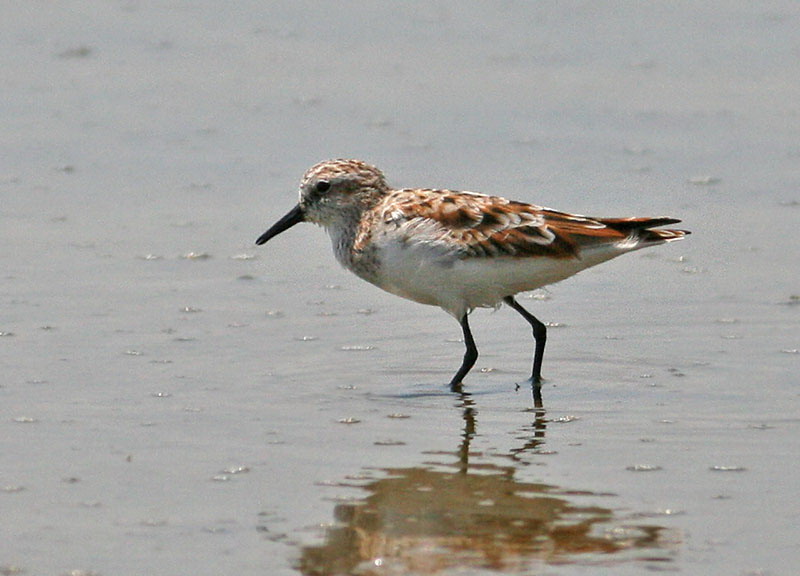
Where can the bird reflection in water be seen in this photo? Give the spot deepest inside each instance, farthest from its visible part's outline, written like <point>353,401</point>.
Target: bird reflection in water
<point>437,517</point>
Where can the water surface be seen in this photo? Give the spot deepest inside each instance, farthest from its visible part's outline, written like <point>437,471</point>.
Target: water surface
<point>175,400</point>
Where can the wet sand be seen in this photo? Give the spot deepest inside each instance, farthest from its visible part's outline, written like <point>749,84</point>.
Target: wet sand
<point>176,400</point>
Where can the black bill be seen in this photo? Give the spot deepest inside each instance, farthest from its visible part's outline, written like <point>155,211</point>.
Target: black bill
<point>295,216</point>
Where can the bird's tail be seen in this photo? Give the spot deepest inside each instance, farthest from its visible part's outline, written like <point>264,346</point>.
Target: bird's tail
<point>643,229</point>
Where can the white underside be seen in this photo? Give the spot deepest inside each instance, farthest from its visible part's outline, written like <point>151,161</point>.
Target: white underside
<point>429,275</point>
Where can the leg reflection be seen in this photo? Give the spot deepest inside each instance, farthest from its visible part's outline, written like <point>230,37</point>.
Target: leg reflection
<point>534,434</point>
<point>467,405</point>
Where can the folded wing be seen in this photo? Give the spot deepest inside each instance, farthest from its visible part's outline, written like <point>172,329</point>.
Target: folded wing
<point>476,226</point>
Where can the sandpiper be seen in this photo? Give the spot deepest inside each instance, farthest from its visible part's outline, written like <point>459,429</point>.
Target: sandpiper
<point>458,250</point>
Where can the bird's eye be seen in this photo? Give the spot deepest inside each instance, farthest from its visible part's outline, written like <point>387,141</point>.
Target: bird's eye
<point>322,186</point>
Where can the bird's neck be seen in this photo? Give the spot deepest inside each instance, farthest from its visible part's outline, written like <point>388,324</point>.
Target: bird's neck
<point>353,250</point>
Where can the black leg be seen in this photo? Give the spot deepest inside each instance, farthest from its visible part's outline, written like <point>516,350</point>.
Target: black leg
<point>540,336</point>
<point>470,356</point>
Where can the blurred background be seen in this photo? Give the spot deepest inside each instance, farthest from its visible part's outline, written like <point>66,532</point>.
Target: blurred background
<point>175,400</point>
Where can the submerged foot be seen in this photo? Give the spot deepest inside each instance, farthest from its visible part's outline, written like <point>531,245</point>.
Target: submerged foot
<point>456,386</point>
<point>536,388</point>
<point>532,382</point>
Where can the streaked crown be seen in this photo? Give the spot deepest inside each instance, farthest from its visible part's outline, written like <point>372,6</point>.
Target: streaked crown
<point>339,189</point>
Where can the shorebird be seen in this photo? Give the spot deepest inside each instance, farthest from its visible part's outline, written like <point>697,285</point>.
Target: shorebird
<point>458,250</point>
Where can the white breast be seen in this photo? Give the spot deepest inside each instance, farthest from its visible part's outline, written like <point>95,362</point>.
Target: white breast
<point>430,274</point>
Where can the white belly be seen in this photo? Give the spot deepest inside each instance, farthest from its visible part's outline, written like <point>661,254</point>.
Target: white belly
<point>428,275</point>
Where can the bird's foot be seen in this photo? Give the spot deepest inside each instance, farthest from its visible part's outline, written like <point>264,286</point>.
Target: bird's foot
<point>536,388</point>
<point>532,382</point>
<point>456,386</point>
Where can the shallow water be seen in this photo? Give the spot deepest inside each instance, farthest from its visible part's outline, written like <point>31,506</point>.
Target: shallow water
<point>178,401</point>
